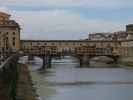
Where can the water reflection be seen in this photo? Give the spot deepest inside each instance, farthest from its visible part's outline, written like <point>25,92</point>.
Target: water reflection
<point>64,81</point>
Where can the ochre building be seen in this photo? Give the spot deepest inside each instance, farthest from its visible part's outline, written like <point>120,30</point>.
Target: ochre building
<point>9,33</point>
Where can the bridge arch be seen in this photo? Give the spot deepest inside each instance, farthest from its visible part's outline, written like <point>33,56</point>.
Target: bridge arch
<point>106,58</point>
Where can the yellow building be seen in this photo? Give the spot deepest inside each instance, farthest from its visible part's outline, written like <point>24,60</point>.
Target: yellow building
<point>9,33</point>
<point>116,51</point>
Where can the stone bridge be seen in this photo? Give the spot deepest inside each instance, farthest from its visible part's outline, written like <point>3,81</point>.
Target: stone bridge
<point>82,49</point>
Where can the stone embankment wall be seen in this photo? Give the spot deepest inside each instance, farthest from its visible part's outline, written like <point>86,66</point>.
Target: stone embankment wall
<point>15,82</point>
<point>25,90</point>
<point>8,78</point>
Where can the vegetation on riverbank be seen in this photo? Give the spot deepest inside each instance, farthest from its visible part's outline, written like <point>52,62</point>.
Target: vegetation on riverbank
<point>123,64</point>
<point>126,64</point>
<point>94,64</point>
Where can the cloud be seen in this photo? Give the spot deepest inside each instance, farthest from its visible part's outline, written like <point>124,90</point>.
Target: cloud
<point>73,3</point>
<point>4,9</point>
<point>60,24</point>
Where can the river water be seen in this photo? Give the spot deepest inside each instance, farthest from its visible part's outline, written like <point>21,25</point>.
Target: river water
<point>67,81</point>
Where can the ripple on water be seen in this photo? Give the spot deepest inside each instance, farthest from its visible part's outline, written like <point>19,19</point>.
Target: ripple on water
<point>66,82</point>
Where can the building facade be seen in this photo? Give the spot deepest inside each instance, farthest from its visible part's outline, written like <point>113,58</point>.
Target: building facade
<point>9,33</point>
<point>127,48</point>
<point>127,45</point>
<point>71,46</point>
<point>120,35</point>
<point>129,30</point>
<point>100,36</point>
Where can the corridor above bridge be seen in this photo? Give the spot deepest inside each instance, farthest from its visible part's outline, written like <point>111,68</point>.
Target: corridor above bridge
<point>74,47</point>
<point>68,44</point>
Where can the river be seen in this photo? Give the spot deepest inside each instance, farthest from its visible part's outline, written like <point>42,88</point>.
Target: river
<point>67,81</point>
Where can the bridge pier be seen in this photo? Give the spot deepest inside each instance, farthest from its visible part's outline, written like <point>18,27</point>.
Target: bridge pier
<point>84,60</point>
<point>46,62</point>
<point>59,55</point>
<point>49,61</point>
<point>30,57</point>
<point>116,59</point>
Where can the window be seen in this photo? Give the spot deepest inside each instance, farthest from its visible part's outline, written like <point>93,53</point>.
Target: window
<point>45,43</point>
<point>53,43</point>
<point>13,38</point>
<point>13,43</point>
<point>13,33</point>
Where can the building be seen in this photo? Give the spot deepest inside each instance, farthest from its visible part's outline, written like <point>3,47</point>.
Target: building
<point>129,30</point>
<point>127,45</point>
<point>120,35</point>
<point>100,36</point>
<point>9,33</point>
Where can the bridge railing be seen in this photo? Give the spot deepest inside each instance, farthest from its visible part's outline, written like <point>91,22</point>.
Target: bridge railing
<point>8,75</point>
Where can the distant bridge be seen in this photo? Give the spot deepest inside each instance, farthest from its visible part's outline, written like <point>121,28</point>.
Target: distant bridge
<point>84,50</point>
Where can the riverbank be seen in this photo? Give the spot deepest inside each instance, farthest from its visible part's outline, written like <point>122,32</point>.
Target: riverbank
<point>126,61</point>
<point>3,90</point>
<point>94,64</point>
<point>123,62</point>
<point>25,90</point>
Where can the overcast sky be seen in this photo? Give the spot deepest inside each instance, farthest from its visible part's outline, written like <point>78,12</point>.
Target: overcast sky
<point>68,19</point>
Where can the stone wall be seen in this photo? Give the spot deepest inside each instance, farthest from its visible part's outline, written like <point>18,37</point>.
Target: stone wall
<point>15,83</point>
<point>8,78</point>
